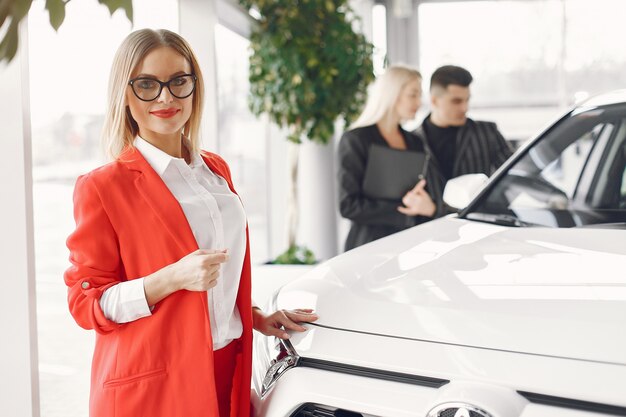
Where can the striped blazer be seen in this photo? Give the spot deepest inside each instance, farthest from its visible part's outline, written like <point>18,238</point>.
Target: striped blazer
<point>480,148</point>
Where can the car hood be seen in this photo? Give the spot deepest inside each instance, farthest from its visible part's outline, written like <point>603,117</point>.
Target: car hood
<point>542,291</point>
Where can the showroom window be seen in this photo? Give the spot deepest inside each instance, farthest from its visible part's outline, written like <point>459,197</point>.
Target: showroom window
<point>242,137</point>
<point>69,72</point>
<point>530,59</point>
<point>379,37</point>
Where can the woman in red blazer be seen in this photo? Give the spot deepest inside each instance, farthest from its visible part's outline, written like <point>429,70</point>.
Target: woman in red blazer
<point>165,344</point>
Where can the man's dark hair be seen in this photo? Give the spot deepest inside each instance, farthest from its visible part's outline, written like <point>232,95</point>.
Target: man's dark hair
<point>450,74</point>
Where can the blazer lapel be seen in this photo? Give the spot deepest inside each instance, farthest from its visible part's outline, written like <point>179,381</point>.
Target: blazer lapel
<point>219,169</point>
<point>463,139</point>
<point>152,188</point>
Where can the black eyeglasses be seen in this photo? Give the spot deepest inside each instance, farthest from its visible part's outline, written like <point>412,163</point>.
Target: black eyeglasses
<point>148,89</point>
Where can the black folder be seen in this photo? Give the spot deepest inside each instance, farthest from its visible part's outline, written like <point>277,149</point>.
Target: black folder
<point>390,173</point>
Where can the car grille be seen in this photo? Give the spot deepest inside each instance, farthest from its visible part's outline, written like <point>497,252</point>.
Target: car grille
<point>451,412</point>
<point>316,410</point>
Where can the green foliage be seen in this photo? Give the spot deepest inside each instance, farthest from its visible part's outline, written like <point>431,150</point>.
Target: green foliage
<point>296,255</point>
<point>308,67</point>
<point>56,10</point>
<point>113,5</point>
<point>13,11</point>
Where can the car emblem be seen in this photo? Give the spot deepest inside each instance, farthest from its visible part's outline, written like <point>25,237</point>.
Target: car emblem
<point>457,410</point>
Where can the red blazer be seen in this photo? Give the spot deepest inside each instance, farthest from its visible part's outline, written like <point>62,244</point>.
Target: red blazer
<point>129,225</point>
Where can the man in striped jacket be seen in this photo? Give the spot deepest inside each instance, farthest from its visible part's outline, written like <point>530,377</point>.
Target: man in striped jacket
<point>459,145</point>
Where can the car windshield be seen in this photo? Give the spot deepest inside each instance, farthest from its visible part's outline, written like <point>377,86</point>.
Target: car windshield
<point>573,176</point>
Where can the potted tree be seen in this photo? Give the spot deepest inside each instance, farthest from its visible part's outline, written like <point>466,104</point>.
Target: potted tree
<point>308,68</point>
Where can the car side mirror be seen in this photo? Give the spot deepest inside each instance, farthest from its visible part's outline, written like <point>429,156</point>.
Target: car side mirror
<point>460,191</point>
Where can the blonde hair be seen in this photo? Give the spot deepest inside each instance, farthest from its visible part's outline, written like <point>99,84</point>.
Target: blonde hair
<point>120,129</point>
<point>384,94</point>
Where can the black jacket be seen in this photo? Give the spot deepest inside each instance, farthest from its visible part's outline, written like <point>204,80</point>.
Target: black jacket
<point>374,218</point>
<point>480,148</point>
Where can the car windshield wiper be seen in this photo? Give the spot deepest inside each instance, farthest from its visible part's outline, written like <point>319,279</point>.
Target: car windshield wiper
<point>500,219</point>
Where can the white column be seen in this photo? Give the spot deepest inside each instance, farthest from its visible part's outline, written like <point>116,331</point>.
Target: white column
<point>197,20</point>
<point>19,378</point>
<point>317,201</point>
<point>403,38</point>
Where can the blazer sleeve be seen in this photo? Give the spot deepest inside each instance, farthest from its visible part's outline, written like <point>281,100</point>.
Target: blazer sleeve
<point>500,148</point>
<point>353,204</point>
<point>95,258</point>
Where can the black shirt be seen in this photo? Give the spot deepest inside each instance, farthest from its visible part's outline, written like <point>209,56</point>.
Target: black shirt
<point>442,141</point>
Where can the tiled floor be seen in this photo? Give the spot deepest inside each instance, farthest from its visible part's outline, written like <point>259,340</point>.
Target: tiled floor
<point>64,348</point>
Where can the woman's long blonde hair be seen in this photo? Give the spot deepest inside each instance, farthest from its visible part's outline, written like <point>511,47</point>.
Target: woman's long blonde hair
<point>120,129</point>
<point>384,94</point>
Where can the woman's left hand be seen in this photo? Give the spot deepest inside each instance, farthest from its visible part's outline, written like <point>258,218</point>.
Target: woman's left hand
<point>418,202</point>
<point>278,322</point>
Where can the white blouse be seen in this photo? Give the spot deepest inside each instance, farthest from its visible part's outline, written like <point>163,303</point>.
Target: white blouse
<point>217,220</point>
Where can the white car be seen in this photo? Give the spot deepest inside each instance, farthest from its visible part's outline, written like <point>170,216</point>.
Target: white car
<point>515,307</point>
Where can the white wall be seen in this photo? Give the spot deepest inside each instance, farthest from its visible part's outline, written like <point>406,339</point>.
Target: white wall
<point>19,380</point>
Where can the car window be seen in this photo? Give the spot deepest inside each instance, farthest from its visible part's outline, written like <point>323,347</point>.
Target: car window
<point>605,184</point>
<point>564,171</point>
<point>574,175</point>
<point>622,197</point>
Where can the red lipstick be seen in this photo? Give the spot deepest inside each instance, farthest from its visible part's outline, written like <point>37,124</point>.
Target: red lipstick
<point>164,113</point>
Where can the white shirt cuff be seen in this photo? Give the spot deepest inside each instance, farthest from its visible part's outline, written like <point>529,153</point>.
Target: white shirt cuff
<point>125,302</point>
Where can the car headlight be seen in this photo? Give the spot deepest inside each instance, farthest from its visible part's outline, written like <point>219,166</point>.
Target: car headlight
<point>273,357</point>
<point>285,359</point>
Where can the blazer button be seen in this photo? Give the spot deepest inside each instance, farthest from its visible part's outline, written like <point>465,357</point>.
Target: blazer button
<point>84,285</point>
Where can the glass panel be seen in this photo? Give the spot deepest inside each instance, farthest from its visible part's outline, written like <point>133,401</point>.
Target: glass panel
<point>570,177</point>
<point>518,66</point>
<point>565,170</point>
<point>623,190</point>
<point>241,136</point>
<point>69,72</point>
<point>594,56</point>
<point>530,59</point>
<point>551,182</point>
<point>379,37</point>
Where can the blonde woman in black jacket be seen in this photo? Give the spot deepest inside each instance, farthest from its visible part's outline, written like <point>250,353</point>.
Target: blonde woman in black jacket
<point>395,97</point>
